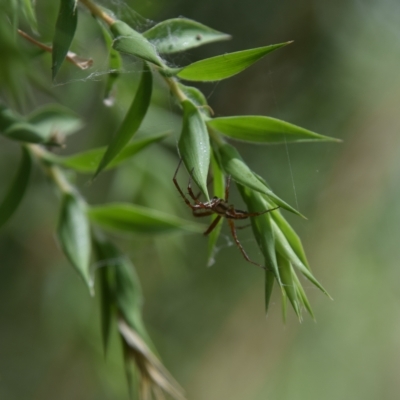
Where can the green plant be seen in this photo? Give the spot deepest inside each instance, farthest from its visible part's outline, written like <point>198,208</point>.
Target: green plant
<point>202,147</point>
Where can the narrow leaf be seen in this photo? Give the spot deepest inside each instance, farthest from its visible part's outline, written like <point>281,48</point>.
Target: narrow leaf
<point>128,295</point>
<point>262,228</point>
<point>127,40</point>
<point>194,145</point>
<point>114,66</point>
<point>291,236</point>
<point>219,191</point>
<point>88,161</point>
<point>106,261</point>
<point>288,284</point>
<point>65,31</point>
<point>129,218</point>
<point>301,294</point>
<point>29,12</point>
<point>269,285</point>
<point>133,119</point>
<point>226,65</point>
<point>8,118</point>
<point>25,132</point>
<point>234,165</point>
<point>74,236</point>
<point>17,189</point>
<point>55,119</point>
<point>260,129</point>
<point>180,34</point>
<point>285,250</point>
<point>197,98</point>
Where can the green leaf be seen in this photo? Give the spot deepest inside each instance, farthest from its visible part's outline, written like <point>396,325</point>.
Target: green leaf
<point>260,129</point>
<point>219,191</point>
<point>234,165</point>
<point>88,161</point>
<point>226,65</point>
<point>65,30</point>
<point>53,119</point>
<point>17,189</point>
<point>132,121</point>
<point>194,145</point>
<point>129,218</point>
<point>285,250</point>
<point>196,97</point>
<point>106,262</point>
<point>180,34</point>
<point>262,228</point>
<point>114,66</point>
<point>24,132</point>
<point>289,286</point>
<point>290,235</point>
<point>127,40</point>
<point>269,285</point>
<point>8,118</point>
<point>301,294</point>
<point>128,295</point>
<point>74,236</point>
<point>29,12</point>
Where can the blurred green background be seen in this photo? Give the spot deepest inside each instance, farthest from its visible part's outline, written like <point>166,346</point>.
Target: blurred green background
<point>339,78</point>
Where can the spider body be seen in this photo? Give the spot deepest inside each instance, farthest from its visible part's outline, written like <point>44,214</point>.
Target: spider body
<point>219,207</point>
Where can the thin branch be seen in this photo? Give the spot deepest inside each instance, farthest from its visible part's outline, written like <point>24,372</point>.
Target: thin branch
<point>82,63</point>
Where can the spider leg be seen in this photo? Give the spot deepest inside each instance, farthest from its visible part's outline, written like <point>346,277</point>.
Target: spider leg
<point>202,212</point>
<point>191,194</point>
<point>255,214</point>
<point>213,225</point>
<point>243,227</point>
<point>179,189</point>
<point>228,183</point>
<point>233,230</point>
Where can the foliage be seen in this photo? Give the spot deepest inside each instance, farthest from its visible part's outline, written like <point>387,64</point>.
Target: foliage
<point>202,147</point>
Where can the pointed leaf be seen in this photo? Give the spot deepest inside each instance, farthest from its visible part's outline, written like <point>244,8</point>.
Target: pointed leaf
<point>262,229</point>
<point>269,285</point>
<point>194,145</point>
<point>226,65</point>
<point>301,294</point>
<point>65,31</point>
<point>24,132</point>
<point>127,40</point>
<point>17,189</point>
<point>260,129</point>
<point>288,284</point>
<point>8,118</point>
<point>114,66</point>
<point>128,295</point>
<point>29,12</point>
<point>106,261</point>
<point>88,161</point>
<point>219,191</point>
<point>285,250</point>
<point>53,119</point>
<point>291,236</point>
<point>196,97</point>
<point>131,218</point>
<point>180,34</point>
<point>132,121</point>
<point>74,236</point>
<point>234,165</point>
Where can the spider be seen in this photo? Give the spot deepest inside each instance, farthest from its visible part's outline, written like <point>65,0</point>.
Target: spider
<point>218,206</point>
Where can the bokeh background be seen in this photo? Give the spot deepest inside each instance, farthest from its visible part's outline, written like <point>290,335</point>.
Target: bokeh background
<point>340,78</point>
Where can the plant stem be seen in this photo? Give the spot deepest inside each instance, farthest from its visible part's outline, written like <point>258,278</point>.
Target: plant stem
<point>54,172</point>
<point>98,12</point>
<point>73,58</point>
